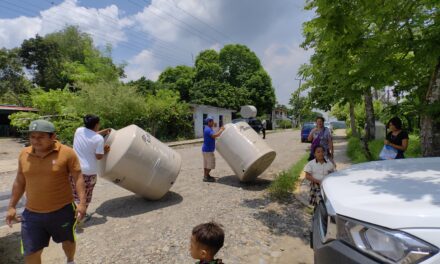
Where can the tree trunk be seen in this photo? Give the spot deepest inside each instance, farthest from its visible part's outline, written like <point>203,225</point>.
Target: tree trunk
<point>369,114</point>
<point>430,124</point>
<point>354,131</point>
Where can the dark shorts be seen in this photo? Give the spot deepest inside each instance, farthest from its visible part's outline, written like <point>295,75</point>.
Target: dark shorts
<point>38,228</point>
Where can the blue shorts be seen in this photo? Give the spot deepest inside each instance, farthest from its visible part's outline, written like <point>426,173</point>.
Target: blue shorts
<point>38,228</point>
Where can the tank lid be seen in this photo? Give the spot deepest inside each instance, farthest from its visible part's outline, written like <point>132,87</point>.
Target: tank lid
<point>248,111</point>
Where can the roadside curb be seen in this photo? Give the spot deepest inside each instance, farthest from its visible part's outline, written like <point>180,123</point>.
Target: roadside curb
<point>200,140</point>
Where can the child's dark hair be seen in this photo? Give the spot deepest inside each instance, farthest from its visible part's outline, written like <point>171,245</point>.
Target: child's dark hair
<point>90,121</point>
<point>210,235</point>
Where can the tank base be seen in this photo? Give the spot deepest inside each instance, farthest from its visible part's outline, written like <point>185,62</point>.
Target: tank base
<point>258,167</point>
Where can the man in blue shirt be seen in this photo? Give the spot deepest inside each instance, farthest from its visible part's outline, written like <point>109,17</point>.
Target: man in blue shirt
<point>208,148</point>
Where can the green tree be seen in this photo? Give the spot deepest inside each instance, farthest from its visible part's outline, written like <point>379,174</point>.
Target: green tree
<point>13,82</point>
<point>44,59</point>
<point>167,117</point>
<point>144,86</point>
<point>67,57</point>
<point>179,78</point>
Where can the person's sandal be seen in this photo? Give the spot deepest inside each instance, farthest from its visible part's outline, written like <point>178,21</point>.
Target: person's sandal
<point>208,179</point>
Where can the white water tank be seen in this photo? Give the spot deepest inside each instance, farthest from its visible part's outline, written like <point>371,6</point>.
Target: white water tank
<point>139,162</point>
<point>244,150</point>
<point>248,111</point>
<point>380,130</point>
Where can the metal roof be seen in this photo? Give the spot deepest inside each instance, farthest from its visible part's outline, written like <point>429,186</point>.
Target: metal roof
<point>17,108</point>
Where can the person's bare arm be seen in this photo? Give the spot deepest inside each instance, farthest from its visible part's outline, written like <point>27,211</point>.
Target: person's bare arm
<point>17,192</point>
<point>104,131</point>
<point>402,148</point>
<point>311,178</point>
<point>332,149</point>
<point>81,191</point>
<point>310,137</point>
<point>219,132</point>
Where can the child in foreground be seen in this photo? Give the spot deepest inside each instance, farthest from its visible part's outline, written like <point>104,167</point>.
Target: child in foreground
<point>316,170</point>
<point>206,241</point>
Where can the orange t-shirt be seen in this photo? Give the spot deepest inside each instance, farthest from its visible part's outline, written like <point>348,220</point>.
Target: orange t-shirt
<point>47,179</point>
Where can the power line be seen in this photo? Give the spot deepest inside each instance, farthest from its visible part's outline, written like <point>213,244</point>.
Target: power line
<point>161,43</point>
<point>158,55</point>
<point>189,28</point>
<point>201,21</point>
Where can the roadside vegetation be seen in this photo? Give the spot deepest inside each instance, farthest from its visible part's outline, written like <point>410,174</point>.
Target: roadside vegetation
<point>286,181</point>
<point>64,75</point>
<point>356,152</point>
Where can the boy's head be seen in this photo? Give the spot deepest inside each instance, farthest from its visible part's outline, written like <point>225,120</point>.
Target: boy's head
<point>91,122</point>
<point>206,241</point>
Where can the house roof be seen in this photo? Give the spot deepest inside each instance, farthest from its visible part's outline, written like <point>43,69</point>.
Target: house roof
<point>15,108</point>
<point>210,106</point>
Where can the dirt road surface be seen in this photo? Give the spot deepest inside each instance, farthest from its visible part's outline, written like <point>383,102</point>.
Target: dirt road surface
<point>129,229</point>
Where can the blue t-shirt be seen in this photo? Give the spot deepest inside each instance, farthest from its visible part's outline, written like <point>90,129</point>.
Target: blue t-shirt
<point>208,141</point>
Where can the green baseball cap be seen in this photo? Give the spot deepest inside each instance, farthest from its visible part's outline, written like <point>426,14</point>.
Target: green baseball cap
<point>41,126</point>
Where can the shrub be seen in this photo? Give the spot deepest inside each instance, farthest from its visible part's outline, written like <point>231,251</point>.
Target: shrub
<point>285,181</point>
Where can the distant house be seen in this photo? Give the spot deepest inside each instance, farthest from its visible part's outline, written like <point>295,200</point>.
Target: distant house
<point>5,124</point>
<point>221,117</point>
<point>278,114</point>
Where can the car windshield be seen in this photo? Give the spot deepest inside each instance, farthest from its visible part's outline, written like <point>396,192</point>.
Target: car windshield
<point>309,125</point>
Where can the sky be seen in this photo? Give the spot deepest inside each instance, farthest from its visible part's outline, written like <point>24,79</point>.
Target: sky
<point>150,35</point>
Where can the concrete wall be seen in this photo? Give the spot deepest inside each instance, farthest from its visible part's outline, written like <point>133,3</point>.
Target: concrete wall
<point>215,112</point>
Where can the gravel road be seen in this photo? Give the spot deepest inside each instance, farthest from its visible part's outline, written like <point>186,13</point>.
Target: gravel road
<point>129,229</point>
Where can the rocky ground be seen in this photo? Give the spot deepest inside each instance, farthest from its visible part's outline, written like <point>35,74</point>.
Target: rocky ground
<point>129,229</point>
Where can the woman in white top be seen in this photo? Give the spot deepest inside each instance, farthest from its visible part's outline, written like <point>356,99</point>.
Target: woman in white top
<point>316,170</point>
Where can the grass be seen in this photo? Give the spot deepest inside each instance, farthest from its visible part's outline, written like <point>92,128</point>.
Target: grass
<point>285,181</point>
<point>355,150</point>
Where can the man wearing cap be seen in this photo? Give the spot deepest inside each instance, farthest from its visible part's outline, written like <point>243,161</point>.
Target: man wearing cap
<point>43,174</point>
<point>208,148</point>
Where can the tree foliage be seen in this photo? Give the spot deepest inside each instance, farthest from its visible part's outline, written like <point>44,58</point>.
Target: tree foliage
<point>361,45</point>
<point>67,57</point>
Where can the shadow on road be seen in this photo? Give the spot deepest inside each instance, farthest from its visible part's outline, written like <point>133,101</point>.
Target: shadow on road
<point>256,185</point>
<point>10,249</point>
<point>134,205</point>
<point>286,218</point>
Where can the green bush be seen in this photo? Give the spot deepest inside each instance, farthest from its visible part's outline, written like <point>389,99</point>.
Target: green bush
<point>356,153</point>
<point>284,124</point>
<point>285,181</point>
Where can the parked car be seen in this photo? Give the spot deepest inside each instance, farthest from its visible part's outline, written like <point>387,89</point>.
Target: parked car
<point>338,124</point>
<point>329,126</point>
<point>305,130</point>
<point>380,212</point>
<point>253,122</point>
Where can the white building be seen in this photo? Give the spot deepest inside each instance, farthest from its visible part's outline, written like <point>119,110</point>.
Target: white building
<point>221,117</point>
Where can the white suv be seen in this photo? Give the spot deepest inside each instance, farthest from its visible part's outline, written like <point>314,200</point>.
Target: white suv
<point>380,212</point>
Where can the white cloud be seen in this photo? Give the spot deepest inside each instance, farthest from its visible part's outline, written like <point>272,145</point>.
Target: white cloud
<point>162,34</point>
<point>272,29</point>
<point>143,64</point>
<point>282,62</point>
<point>104,24</point>
<point>14,31</point>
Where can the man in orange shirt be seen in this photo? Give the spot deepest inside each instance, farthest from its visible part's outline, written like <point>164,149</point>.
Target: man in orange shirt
<point>43,173</point>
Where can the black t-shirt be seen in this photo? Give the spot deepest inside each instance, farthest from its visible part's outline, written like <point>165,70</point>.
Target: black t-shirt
<point>397,140</point>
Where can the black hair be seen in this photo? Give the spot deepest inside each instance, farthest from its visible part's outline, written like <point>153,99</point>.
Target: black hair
<point>320,117</point>
<point>396,122</point>
<point>210,235</point>
<point>90,121</point>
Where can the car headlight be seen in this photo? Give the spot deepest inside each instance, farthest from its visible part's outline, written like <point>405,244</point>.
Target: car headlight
<point>390,246</point>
